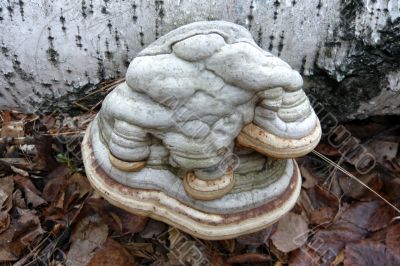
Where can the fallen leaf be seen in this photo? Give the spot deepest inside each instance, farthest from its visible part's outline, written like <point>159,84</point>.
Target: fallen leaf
<point>25,182</point>
<point>18,200</point>
<point>6,255</point>
<point>353,189</point>
<point>249,258</point>
<point>12,129</point>
<point>370,253</point>
<point>21,232</point>
<point>6,190</point>
<point>4,221</point>
<point>153,229</point>
<point>88,235</point>
<point>82,183</point>
<point>321,197</point>
<point>142,250</point>
<point>111,253</point>
<point>384,150</point>
<point>322,215</point>
<point>327,149</point>
<point>55,182</point>
<point>303,257</point>
<point>217,259</point>
<point>33,199</point>
<point>371,215</point>
<point>328,242</point>
<point>309,179</point>
<point>393,238</point>
<point>291,232</point>
<point>118,219</point>
<point>258,238</point>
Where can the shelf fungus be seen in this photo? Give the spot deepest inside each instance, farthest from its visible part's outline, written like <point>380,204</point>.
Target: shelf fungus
<point>203,133</point>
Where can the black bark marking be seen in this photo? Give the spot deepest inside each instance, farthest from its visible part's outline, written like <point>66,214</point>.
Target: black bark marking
<point>271,43</point>
<point>101,70</point>
<point>294,2</point>
<point>78,39</point>
<point>83,9</point>
<point>134,16</point>
<point>280,45</point>
<point>109,26</point>
<point>91,7</point>
<point>4,50</point>
<point>46,85</point>
<point>62,20</point>
<point>1,14</point>
<point>141,37</point>
<point>160,13</point>
<point>116,37</point>
<point>259,36</point>
<point>10,10</point>
<point>107,53</point>
<point>51,51</point>
<point>250,16</point>
<point>21,73</point>
<point>276,5</point>
<point>303,65</point>
<point>8,76</point>
<point>319,6</point>
<point>21,9</point>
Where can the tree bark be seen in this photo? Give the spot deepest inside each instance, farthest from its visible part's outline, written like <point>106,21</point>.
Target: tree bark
<point>53,52</point>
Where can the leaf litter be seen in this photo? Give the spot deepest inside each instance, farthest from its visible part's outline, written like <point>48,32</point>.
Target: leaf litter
<point>50,215</point>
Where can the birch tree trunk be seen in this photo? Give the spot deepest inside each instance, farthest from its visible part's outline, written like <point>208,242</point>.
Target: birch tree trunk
<point>55,51</point>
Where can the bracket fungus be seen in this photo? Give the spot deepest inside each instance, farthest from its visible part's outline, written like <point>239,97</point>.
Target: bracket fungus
<point>203,133</point>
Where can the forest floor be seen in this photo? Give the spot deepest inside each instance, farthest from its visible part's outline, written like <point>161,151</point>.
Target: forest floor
<point>347,213</point>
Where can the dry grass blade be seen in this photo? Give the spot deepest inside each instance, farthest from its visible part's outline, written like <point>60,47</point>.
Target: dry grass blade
<point>355,178</point>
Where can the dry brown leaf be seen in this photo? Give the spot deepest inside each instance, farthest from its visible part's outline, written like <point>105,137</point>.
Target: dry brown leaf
<point>304,257</point>
<point>291,232</point>
<point>258,238</point>
<point>153,229</point>
<point>115,217</point>
<point>6,190</point>
<point>393,238</point>
<point>4,221</point>
<point>384,149</point>
<point>82,183</point>
<point>321,197</point>
<point>111,253</point>
<point>328,242</point>
<point>327,149</point>
<point>6,255</point>
<point>12,129</point>
<point>55,182</point>
<point>18,200</point>
<point>21,233</point>
<point>309,179</point>
<point>249,258</point>
<point>370,253</point>
<point>353,189</point>
<point>322,215</point>
<point>25,182</point>
<point>88,235</point>
<point>371,215</point>
<point>217,259</point>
